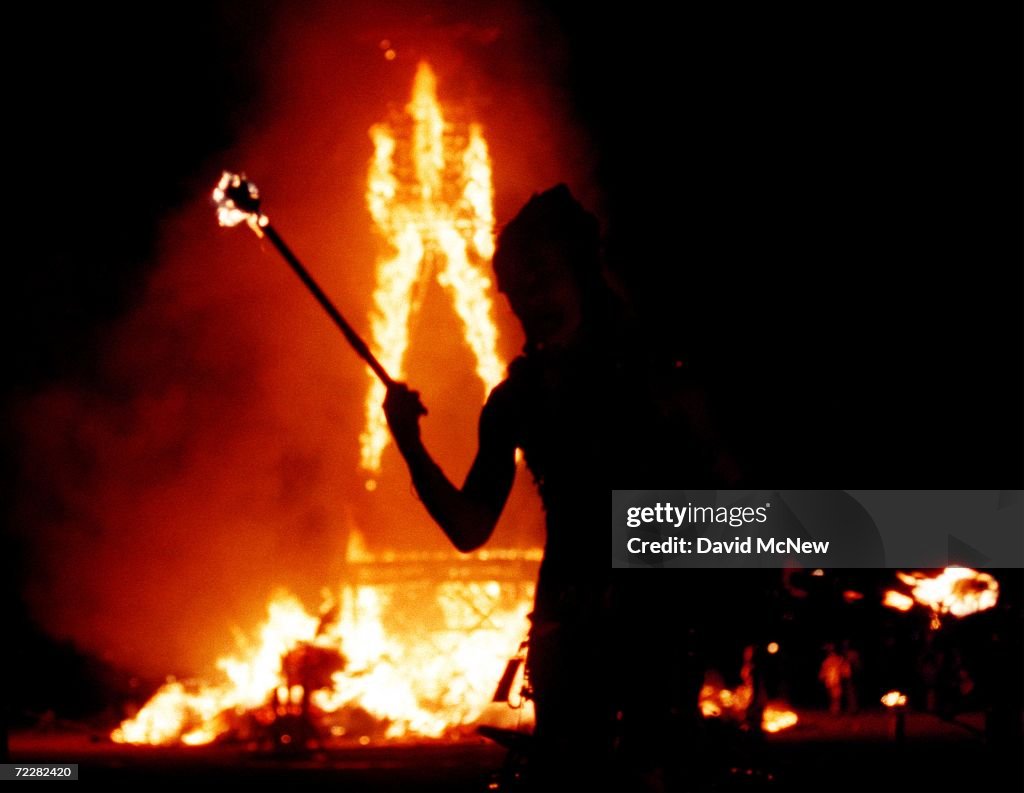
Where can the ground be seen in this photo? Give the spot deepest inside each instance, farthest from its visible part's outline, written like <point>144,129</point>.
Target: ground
<point>822,752</point>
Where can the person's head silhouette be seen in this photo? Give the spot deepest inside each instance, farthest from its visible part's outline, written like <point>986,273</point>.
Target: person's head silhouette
<point>547,264</point>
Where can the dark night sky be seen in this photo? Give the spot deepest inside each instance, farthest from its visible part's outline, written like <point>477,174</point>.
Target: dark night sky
<point>830,223</point>
<point>845,213</point>
<point>820,206</point>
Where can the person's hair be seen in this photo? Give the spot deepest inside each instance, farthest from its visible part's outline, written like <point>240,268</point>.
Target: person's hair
<point>552,218</point>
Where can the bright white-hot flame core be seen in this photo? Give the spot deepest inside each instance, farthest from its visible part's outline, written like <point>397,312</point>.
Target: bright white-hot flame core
<point>959,591</point>
<point>897,600</point>
<point>435,215</point>
<point>228,212</point>
<point>776,719</point>
<point>894,699</point>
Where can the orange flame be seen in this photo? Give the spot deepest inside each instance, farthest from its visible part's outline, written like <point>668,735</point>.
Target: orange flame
<point>715,702</point>
<point>894,699</point>
<point>441,208</point>
<point>897,600</point>
<point>959,591</point>
<point>419,681</point>
<point>777,719</point>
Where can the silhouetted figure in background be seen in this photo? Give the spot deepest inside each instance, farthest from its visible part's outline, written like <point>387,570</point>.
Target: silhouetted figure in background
<point>752,682</point>
<point>593,408</point>
<point>929,665</point>
<point>833,674</point>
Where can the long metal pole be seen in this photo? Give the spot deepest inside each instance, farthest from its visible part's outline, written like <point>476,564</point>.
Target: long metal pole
<point>353,338</point>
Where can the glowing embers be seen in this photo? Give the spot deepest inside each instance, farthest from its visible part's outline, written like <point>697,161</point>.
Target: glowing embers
<point>429,193</point>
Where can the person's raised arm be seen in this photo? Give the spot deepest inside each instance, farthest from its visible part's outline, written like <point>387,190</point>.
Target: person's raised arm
<point>467,515</point>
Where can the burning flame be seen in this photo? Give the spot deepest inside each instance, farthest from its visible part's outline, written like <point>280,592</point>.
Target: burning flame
<point>956,590</point>
<point>959,591</point>
<point>777,719</point>
<point>420,681</point>
<point>715,702</point>
<point>894,699</point>
<point>229,213</point>
<point>238,201</point>
<point>439,209</point>
<point>897,600</point>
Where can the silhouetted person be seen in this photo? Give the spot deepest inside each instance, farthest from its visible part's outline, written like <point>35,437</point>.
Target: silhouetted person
<point>851,685</point>
<point>752,681</point>
<point>833,674</point>
<point>593,409</point>
<point>929,665</point>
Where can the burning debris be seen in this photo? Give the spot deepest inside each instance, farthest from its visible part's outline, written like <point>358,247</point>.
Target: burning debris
<point>897,600</point>
<point>717,702</point>
<point>384,661</point>
<point>959,591</point>
<point>429,193</point>
<point>777,718</point>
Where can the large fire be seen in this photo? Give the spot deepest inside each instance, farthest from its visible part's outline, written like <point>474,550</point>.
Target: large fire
<point>430,196</point>
<point>377,662</point>
<point>395,652</point>
<point>959,591</point>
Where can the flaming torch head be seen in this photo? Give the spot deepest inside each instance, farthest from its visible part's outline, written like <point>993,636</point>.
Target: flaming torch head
<point>894,699</point>
<point>237,200</point>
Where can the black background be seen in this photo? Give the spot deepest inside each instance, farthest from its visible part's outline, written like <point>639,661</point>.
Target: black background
<point>845,257</point>
<point>832,236</point>
<point>831,233</point>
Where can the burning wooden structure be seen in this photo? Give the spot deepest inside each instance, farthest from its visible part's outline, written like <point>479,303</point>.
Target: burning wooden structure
<point>413,644</point>
<point>411,647</point>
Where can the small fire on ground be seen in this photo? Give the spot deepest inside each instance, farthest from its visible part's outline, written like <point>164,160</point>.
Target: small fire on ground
<point>728,703</point>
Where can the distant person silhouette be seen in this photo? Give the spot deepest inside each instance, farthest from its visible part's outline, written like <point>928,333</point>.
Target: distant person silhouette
<point>834,674</point>
<point>593,407</point>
